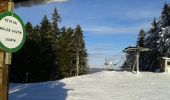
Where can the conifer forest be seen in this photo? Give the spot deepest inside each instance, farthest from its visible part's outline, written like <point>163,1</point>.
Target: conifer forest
<point>49,52</point>
<point>157,39</point>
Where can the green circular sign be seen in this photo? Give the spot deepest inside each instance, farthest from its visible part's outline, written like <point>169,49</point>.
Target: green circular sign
<point>12,32</point>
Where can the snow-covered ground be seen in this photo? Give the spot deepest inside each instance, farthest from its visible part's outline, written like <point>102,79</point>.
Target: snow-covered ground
<point>106,85</point>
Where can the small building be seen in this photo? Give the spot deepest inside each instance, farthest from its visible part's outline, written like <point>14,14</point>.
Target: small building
<point>165,64</point>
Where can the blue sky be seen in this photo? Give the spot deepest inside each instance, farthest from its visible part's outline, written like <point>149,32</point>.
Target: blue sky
<point>109,25</point>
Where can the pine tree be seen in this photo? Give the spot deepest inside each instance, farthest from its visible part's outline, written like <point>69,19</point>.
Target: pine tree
<point>56,19</point>
<point>29,29</point>
<point>64,52</point>
<point>164,23</point>
<point>80,47</point>
<point>45,28</point>
<point>140,41</point>
<point>165,16</point>
<point>47,53</point>
<point>150,42</point>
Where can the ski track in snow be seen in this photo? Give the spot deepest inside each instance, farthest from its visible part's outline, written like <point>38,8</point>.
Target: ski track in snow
<point>106,85</point>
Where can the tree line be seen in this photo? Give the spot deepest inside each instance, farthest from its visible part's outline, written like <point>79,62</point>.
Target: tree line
<point>49,52</point>
<point>157,39</point>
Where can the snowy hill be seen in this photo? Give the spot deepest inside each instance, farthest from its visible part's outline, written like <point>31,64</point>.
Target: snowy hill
<point>106,85</point>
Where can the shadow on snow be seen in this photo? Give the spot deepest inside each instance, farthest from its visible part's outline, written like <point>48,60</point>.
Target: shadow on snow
<point>38,91</point>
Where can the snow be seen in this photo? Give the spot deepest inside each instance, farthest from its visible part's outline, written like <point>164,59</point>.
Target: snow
<point>167,40</point>
<point>158,41</point>
<point>105,85</point>
<point>163,28</point>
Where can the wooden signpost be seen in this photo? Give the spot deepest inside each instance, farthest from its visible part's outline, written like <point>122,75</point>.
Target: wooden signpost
<point>3,68</point>
<point>12,38</point>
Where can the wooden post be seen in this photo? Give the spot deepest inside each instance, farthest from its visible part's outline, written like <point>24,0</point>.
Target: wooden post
<point>2,76</point>
<point>77,62</point>
<point>134,64</point>
<point>137,61</point>
<point>5,58</point>
<point>3,86</point>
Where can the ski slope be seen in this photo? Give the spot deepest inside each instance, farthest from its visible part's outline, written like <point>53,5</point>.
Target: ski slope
<point>106,85</point>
